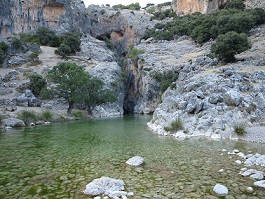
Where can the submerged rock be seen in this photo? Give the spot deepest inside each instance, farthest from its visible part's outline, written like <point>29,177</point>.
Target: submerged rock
<point>220,190</point>
<point>135,161</point>
<point>260,183</point>
<point>104,185</point>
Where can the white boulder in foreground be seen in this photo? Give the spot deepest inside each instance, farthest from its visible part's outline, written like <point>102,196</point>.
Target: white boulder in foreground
<point>135,161</point>
<point>260,183</point>
<point>104,185</point>
<point>220,190</point>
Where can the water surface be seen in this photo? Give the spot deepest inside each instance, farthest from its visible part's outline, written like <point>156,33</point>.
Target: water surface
<point>57,161</point>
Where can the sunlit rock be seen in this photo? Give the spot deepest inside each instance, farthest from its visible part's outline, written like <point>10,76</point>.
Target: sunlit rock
<point>135,161</point>
<point>220,190</point>
<point>260,183</point>
<point>104,185</point>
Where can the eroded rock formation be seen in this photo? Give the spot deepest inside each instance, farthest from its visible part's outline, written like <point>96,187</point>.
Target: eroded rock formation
<point>122,27</point>
<point>183,7</point>
<point>27,15</point>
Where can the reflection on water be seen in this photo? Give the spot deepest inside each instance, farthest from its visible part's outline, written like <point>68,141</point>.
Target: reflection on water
<point>57,161</point>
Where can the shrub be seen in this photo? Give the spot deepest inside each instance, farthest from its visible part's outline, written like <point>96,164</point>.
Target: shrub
<point>151,10</point>
<point>16,43</point>
<point>28,117</point>
<point>37,83</point>
<point>45,35</point>
<point>34,55</point>
<point>72,40</point>
<point>235,4</point>
<point>2,56</point>
<point>63,50</point>
<point>3,46</point>
<point>132,6</point>
<point>163,14</point>
<point>79,114</point>
<point>229,44</point>
<point>175,126</point>
<point>165,79</point>
<point>239,129</point>
<point>29,38</point>
<point>46,116</point>
<point>134,52</point>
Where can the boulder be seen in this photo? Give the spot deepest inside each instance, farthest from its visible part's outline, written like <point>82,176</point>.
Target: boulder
<point>232,98</point>
<point>13,122</point>
<point>220,190</point>
<point>257,176</point>
<point>28,99</point>
<point>104,185</point>
<point>135,161</point>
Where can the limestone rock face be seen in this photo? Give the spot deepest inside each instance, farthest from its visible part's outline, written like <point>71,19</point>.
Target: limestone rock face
<point>27,15</point>
<point>183,7</point>
<point>122,27</point>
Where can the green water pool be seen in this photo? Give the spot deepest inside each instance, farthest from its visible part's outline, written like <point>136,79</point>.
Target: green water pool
<point>58,160</point>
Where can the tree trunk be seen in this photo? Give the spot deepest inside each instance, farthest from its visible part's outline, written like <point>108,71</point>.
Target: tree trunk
<point>70,108</point>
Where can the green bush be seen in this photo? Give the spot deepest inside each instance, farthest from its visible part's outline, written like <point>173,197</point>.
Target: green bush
<point>63,50</point>
<point>46,115</point>
<point>235,4</point>
<point>72,40</point>
<point>16,43</point>
<point>239,129</point>
<point>165,79</point>
<point>28,117</point>
<point>29,38</point>
<point>229,44</point>
<point>132,6</point>
<point>45,35</point>
<point>37,83</point>
<point>3,46</point>
<point>163,14</point>
<point>150,10</point>
<point>175,126</point>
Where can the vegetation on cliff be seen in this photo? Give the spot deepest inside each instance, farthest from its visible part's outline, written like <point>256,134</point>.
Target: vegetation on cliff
<point>229,44</point>
<point>202,27</point>
<point>132,6</point>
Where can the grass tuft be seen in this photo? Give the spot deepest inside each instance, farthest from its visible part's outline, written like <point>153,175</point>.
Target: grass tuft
<point>175,126</point>
<point>239,129</point>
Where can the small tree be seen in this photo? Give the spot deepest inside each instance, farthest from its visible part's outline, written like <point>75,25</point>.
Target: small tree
<point>69,79</point>
<point>229,44</point>
<point>37,83</point>
<point>77,86</point>
<point>96,95</point>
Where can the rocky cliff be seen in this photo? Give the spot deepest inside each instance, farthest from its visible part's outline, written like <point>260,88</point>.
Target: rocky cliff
<point>209,99</point>
<point>18,16</point>
<point>183,7</point>
<point>123,27</point>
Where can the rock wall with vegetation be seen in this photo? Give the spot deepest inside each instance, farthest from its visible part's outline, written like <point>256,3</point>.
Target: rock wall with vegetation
<point>25,16</point>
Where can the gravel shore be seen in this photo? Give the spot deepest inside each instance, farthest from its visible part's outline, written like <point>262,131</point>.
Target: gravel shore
<point>255,134</point>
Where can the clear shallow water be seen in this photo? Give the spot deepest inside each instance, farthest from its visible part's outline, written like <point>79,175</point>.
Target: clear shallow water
<point>57,161</point>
